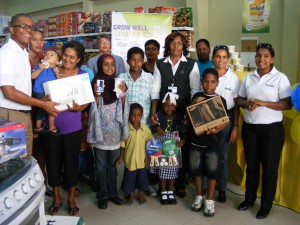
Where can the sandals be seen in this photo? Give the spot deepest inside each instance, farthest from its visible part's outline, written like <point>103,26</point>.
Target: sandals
<point>52,210</point>
<point>39,130</point>
<point>73,211</point>
<point>54,132</point>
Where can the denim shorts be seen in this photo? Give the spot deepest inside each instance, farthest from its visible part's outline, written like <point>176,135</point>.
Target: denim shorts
<point>204,161</point>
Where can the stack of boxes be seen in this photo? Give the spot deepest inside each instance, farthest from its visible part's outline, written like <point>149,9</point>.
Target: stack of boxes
<point>4,24</point>
<point>234,61</point>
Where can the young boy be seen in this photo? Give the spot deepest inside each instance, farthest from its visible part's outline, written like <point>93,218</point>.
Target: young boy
<point>41,73</point>
<point>133,153</point>
<point>139,83</point>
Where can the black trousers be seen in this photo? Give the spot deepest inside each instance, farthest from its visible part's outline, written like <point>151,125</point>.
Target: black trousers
<point>62,158</point>
<point>262,145</point>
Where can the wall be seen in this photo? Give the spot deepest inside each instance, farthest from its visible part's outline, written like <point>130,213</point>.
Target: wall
<point>217,20</point>
<point>222,25</point>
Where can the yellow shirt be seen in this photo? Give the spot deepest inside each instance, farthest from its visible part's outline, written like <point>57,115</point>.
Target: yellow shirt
<point>135,147</point>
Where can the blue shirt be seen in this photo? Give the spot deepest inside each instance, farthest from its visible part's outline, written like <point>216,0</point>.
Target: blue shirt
<point>204,65</point>
<point>45,76</point>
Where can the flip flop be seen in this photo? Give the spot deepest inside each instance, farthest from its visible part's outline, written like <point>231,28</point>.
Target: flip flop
<point>52,210</point>
<point>73,211</point>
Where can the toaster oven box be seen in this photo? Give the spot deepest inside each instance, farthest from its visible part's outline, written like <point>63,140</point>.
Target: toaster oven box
<point>12,140</point>
<point>65,90</point>
<point>64,220</point>
<point>207,114</point>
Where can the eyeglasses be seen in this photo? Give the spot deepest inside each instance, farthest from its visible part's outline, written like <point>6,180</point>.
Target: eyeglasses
<point>151,49</point>
<point>217,47</point>
<point>169,126</point>
<point>264,45</point>
<point>173,43</point>
<point>104,43</point>
<point>24,26</point>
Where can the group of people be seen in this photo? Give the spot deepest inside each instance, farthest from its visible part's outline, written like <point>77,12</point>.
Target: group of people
<point>152,98</point>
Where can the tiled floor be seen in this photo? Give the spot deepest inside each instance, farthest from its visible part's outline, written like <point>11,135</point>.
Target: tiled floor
<point>153,213</point>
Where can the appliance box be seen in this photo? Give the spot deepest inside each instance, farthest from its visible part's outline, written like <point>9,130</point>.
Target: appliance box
<point>64,91</point>
<point>207,114</point>
<point>63,220</point>
<point>12,140</point>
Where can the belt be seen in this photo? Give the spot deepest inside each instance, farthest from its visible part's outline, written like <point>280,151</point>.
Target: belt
<point>16,110</point>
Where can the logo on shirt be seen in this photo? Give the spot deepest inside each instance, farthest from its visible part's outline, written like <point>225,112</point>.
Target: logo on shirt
<point>270,85</point>
<point>228,88</point>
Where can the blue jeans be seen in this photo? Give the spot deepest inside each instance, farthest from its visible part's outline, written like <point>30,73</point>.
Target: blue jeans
<point>106,173</point>
<point>86,163</point>
<point>223,161</point>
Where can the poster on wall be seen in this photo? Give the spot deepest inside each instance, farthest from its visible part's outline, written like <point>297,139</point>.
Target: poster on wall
<point>134,29</point>
<point>256,16</point>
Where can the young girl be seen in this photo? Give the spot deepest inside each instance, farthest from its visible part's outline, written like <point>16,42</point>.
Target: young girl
<point>204,149</point>
<point>133,153</point>
<point>169,121</point>
<point>108,119</point>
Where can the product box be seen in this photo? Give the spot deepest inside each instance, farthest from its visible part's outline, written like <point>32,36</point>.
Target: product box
<point>12,140</point>
<point>64,91</point>
<point>64,220</point>
<point>207,114</point>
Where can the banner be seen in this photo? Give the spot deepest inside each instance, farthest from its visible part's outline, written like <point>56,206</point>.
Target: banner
<point>256,16</point>
<point>134,29</point>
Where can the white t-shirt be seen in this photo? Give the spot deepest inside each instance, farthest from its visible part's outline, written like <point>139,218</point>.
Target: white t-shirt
<point>15,71</point>
<point>228,88</point>
<point>271,87</point>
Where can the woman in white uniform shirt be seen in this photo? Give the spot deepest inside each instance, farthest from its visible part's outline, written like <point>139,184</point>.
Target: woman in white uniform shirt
<point>264,94</point>
<point>228,88</point>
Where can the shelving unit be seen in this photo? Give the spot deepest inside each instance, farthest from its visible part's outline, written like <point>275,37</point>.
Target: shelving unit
<point>75,35</point>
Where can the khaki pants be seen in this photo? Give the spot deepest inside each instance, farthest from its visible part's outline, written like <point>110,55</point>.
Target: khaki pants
<point>13,115</point>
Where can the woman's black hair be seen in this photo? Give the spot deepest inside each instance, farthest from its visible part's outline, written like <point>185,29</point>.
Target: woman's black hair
<point>266,46</point>
<point>221,47</point>
<point>134,106</point>
<point>79,49</point>
<point>212,71</point>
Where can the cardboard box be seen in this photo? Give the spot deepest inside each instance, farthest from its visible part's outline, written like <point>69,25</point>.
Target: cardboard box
<point>207,114</point>
<point>64,91</point>
<point>64,220</point>
<point>12,140</point>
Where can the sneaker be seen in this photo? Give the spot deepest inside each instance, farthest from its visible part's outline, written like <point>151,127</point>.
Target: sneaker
<point>151,191</point>
<point>198,203</point>
<point>209,208</point>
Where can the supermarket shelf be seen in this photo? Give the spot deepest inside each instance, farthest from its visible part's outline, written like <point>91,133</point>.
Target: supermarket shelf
<point>183,28</point>
<point>76,35</point>
<point>92,50</point>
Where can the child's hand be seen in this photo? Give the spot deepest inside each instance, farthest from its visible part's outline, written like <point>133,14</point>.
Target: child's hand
<point>42,66</point>
<point>197,100</point>
<point>118,162</point>
<point>213,130</point>
<point>160,131</point>
<point>56,71</point>
<point>123,87</point>
<point>179,143</point>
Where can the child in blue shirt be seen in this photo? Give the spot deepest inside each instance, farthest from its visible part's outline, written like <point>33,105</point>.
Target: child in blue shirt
<point>42,73</point>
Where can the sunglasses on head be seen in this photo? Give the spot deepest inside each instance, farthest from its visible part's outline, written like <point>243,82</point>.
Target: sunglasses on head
<point>217,47</point>
<point>264,45</point>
